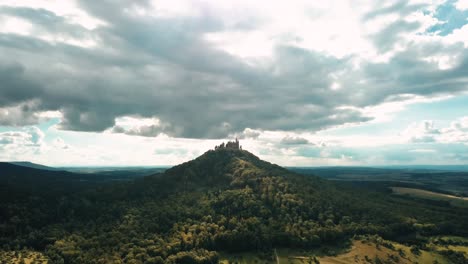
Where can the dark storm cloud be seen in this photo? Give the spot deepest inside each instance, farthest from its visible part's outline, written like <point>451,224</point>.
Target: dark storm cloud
<point>16,96</point>
<point>16,87</point>
<point>163,67</point>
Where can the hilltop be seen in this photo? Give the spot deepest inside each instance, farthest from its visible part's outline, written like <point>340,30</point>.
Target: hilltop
<point>224,164</point>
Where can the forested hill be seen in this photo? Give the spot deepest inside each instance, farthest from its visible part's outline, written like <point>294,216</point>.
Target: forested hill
<point>223,166</point>
<point>227,200</point>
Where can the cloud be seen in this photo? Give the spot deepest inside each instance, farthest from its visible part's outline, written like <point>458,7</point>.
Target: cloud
<point>146,127</point>
<point>402,8</point>
<point>386,39</point>
<point>460,125</point>
<point>6,139</point>
<point>423,132</point>
<point>180,65</point>
<point>289,140</point>
<point>462,5</point>
<point>60,143</point>
<point>37,136</point>
<point>14,144</point>
<point>248,133</point>
<point>20,115</point>
<point>422,150</point>
<point>426,132</point>
<point>16,87</point>
<point>457,132</point>
<point>172,151</point>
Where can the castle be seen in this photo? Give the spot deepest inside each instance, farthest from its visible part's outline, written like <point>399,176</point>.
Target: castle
<point>230,145</point>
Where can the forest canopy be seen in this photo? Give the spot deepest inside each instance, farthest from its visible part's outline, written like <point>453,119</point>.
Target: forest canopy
<point>226,200</point>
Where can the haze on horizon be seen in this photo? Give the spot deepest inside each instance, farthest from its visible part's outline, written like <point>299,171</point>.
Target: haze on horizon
<point>300,84</point>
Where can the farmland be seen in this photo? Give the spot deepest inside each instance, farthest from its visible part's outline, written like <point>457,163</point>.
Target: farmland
<point>424,194</point>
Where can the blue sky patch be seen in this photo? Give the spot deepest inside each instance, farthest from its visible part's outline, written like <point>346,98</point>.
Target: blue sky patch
<point>451,18</point>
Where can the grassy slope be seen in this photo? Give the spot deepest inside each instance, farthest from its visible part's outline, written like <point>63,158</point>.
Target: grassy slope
<point>459,248</point>
<point>27,256</point>
<point>357,253</point>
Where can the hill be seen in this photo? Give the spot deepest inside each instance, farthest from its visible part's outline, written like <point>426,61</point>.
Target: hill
<point>223,167</point>
<point>18,181</point>
<point>227,201</point>
<point>33,165</point>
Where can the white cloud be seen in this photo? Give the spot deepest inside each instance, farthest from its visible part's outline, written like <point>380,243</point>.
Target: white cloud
<point>427,132</point>
<point>25,144</point>
<point>422,132</point>
<point>10,24</point>
<point>459,35</point>
<point>462,4</point>
<point>456,133</point>
<point>248,133</point>
<point>334,27</point>
<point>423,150</point>
<point>247,44</point>
<point>139,126</point>
<point>460,125</point>
<point>60,143</point>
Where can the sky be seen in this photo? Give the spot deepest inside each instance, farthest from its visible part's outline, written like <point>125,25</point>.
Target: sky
<point>300,83</point>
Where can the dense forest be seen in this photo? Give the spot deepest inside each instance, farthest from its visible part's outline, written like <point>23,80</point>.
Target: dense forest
<point>226,200</point>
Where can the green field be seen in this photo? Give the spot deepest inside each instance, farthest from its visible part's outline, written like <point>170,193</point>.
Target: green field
<point>454,200</point>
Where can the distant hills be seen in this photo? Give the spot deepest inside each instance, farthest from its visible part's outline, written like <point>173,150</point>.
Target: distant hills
<point>454,181</point>
<point>460,168</point>
<point>33,165</point>
<point>322,169</point>
<point>407,168</point>
<point>27,177</point>
<point>34,179</point>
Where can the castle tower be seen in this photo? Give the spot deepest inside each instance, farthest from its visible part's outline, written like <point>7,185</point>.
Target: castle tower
<point>230,145</point>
